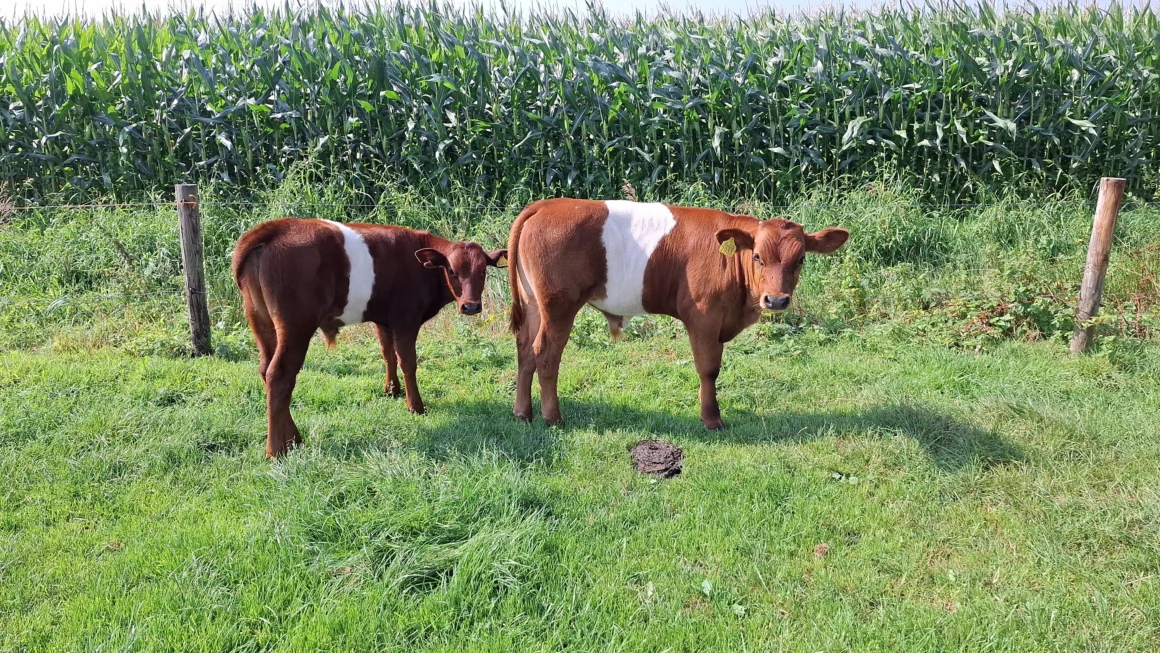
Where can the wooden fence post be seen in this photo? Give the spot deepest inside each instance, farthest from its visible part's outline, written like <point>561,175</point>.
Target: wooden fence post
<point>193,265</point>
<point>1100,247</point>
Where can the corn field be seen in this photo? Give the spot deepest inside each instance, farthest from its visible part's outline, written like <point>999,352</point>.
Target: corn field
<point>951,99</point>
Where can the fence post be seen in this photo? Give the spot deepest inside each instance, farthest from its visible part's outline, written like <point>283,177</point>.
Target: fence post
<point>1100,247</point>
<point>193,266</point>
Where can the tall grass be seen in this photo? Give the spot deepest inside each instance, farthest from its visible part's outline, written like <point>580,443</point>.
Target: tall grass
<point>949,98</point>
<point>962,277</point>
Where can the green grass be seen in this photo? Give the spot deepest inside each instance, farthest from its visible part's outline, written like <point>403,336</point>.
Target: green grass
<point>1002,501</point>
<point>976,488</point>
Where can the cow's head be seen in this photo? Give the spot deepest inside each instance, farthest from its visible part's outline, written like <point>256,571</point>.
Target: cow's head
<point>464,264</point>
<point>777,248</point>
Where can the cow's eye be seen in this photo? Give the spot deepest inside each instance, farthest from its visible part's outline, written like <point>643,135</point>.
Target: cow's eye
<point>757,258</point>
<point>451,273</point>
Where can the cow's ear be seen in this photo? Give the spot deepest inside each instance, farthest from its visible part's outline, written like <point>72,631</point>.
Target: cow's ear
<point>498,258</point>
<point>734,239</point>
<point>431,258</point>
<point>827,241</point>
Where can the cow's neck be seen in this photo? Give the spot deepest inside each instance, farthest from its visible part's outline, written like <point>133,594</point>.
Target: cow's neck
<point>747,278</point>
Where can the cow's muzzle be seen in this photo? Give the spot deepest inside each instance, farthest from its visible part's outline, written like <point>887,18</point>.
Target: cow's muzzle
<point>775,302</point>
<point>470,308</point>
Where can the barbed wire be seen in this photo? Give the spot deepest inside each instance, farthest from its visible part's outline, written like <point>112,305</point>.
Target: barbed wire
<point>724,207</point>
<point>499,208</point>
<point>40,207</point>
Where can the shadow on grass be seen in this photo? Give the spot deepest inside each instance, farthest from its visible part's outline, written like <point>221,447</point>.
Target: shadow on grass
<point>489,426</point>
<point>949,443</point>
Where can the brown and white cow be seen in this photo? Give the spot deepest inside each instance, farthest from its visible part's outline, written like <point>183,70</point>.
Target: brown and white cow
<point>298,276</point>
<point>714,271</point>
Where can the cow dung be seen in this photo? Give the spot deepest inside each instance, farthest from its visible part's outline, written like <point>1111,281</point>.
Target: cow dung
<point>657,457</point>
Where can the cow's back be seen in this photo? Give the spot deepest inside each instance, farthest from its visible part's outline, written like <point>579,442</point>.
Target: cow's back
<point>595,251</point>
<point>560,255</point>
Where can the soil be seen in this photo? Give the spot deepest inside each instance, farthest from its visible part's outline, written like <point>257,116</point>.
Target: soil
<point>657,457</point>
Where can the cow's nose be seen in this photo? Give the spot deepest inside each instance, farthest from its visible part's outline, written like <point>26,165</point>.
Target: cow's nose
<point>470,308</point>
<point>775,303</point>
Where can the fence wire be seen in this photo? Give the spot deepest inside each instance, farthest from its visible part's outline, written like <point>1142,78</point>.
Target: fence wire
<point>496,208</point>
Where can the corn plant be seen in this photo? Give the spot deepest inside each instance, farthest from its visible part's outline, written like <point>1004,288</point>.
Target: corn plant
<point>952,99</point>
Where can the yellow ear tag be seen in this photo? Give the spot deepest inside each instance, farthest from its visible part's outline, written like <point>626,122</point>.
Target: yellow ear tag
<point>729,247</point>
<point>502,262</point>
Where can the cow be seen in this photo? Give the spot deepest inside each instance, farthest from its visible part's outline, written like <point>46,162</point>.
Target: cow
<point>714,271</point>
<point>298,276</point>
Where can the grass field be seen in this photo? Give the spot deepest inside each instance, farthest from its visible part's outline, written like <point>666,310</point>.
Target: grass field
<point>913,460</point>
<point>870,494</point>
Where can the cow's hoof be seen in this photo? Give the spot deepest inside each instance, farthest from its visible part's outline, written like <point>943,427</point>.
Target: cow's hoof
<point>714,424</point>
<point>523,418</point>
<point>394,391</point>
<point>418,410</point>
<point>559,421</point>
<point>274,452</point>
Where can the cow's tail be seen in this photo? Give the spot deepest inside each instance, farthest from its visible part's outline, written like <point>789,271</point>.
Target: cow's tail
<point>249,245</point>
<point>517,317</point>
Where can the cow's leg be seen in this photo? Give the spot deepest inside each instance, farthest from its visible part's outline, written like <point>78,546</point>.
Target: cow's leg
<point>405,348</point>
<point>555,328</point>
<point>526,361</point>
<point>265,336</point>
<point>707,349</point>
<point>281,375</point>
<point>387,345</point>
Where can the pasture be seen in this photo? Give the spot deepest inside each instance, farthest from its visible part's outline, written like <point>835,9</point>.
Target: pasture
<point>868,495</point>
<point>912,459</point>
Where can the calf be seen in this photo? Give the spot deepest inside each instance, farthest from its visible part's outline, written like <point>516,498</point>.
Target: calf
<point>714,271</point>
<point>298,276</point>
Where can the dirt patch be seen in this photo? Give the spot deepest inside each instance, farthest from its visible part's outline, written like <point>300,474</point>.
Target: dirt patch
<point>657,457</point>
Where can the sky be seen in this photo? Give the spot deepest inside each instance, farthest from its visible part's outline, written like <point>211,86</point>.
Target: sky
<point>10,8</point>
